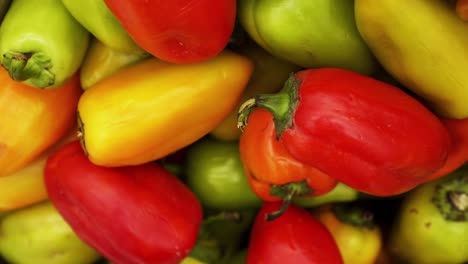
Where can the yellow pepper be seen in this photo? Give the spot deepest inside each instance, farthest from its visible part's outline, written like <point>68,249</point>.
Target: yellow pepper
<point>26,186</point>
<point>269,75</point>
<point>352,227</point>
<point>102,61</point>
<point>153,108</point>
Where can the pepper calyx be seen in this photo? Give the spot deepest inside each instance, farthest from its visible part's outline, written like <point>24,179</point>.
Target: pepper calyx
<point>287,192</point>
<point>451,197</point>
<point>281,105</point>
<point>354,215</point>
<point>31,66</point>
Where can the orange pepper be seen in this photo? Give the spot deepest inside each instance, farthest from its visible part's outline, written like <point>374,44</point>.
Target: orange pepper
<point>32,119</point>
<point>461,8</point>
<point>150,109</point>
<point>26,186</point>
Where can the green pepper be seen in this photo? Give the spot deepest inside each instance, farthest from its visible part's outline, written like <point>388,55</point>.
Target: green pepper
<point>38,234</point>
<point>341,193</point>
<point>239,258</point>
<point>432,223</point>
<point>319,33</point>
<point>41,44</point>
<point>101,61</point>
<point>4,5</point>
<point>216,175</point>
<point>96,17</point>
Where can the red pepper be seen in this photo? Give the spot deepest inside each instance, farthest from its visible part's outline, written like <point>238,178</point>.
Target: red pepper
<point>368,134</point>
<point>458,151</point>
<point>182,31</point>
<point>273,174</point>
<point>132,215</point>
<point>295,237</point>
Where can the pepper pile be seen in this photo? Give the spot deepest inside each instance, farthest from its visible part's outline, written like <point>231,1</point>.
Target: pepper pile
<point>224,131</point>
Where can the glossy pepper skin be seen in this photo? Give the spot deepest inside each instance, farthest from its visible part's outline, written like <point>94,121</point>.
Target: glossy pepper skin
<point>38,55</point>
<point>295,237</point>
<point>354,231</point>
<point>431,226</point>
<point>141,114</point>
<point>102,61</point>
<point>32,120</point>
<point>273,174</point>
<point>136,214</point>
<point>95,16</point>
<point>365,133</point>
<point>183,31</point>
<point>214,172</point>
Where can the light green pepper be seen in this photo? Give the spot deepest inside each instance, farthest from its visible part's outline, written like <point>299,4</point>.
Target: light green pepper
<point>41,44</point>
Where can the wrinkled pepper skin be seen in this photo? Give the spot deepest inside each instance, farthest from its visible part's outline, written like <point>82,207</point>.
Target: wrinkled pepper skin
<point>38,55</point>
<point>458,151</point>
<point>177,31</point>
<point>431,226</point>
<point>365,133</point>
<point>268,164</point>
<point>295,237</point>
<point>135,214</point>
<point>95,16</point>
<point>101,61</point>
<point>141,114</point>
<point>214,172</point>
<point>354,231</point>
<point>39,234</point>
<point>48,114</point>
<point>312,34</point>
<point>268,76</point>
<point>26,186</point>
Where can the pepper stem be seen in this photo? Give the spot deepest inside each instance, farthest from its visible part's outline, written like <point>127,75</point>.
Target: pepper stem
<point>34,67</point>
<point>451,196</point>
<point>354,215</point>
<point>281,105</point>
<point>287,192</point>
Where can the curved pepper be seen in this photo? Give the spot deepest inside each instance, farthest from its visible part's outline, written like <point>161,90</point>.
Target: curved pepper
<point>312,34</point>
<point>131,215</point>
<point>183,31</point>
<point>458,151</point>
<point>45,49</point>
<point>153,108</point>
<point>33,120</point>
<point>296,237</point>
<point>268,76</point>
<point>38,234</point>
<point>26,186</point>
<point>432,224</point>
<point>354,230</point>
<point>365,133</point>
<point>101,61</point>
<point>95,16</point>
<point>273,174</point>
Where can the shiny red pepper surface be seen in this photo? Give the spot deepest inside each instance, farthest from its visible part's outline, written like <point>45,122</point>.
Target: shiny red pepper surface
<point>132,215</point>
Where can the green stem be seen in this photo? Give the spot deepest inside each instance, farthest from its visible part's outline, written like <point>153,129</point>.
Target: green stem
<point>281,105</point>
<point>287,192</point>
<point>34,67</point>
<point>354,215</point>
<point>451,197</point>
